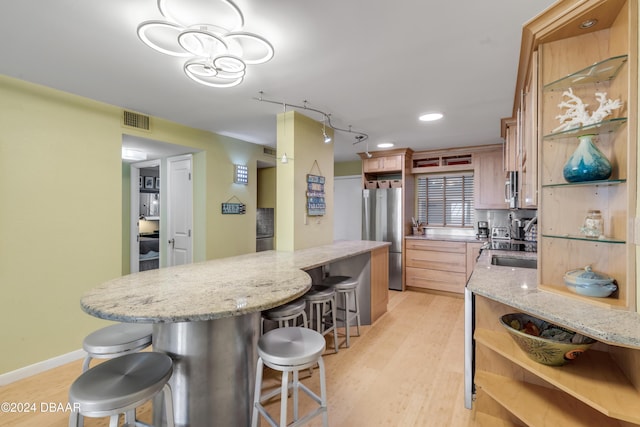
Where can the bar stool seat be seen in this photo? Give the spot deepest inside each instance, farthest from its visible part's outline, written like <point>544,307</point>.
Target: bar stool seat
<point>290,350</point>
<point>116,340</point>
<point>322,304</point>
<point>119,386</point>
<point>346,287</point>
<point>287,314</point>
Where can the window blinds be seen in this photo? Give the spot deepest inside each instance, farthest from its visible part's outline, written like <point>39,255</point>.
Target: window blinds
<point>445,200</point>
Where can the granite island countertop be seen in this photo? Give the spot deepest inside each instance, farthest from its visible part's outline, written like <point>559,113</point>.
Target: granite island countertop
<point>217,288</point>
<point>517,287</point>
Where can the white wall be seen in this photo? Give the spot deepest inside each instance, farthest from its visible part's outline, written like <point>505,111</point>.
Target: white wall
<point>347,212</point>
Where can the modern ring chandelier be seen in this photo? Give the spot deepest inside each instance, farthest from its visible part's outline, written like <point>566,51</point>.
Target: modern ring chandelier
<point>217,54</point>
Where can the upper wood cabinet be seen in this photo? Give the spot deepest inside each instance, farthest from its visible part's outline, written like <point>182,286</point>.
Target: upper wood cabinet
<point>528,139</point>
<point>520,134</point>
<point>489,179</point>
<point>383,164</point>
<point>510,135</point>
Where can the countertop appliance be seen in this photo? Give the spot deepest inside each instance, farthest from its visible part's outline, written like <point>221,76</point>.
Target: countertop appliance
<point>500,233</point>
<point>517,228</point>
<point>483,230</point>
<point>511,189</point>
<point>382,221</point>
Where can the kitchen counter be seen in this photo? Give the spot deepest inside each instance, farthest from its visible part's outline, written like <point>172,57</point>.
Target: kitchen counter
<point>217,288</point>
<point>447,238</point>
<point>516,287</point>
<point>207,317</point>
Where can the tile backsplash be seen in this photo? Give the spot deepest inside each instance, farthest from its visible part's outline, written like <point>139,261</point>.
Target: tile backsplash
<point>265,222</point>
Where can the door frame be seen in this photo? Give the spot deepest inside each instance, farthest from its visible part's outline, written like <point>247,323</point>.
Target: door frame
<point>134,219</point>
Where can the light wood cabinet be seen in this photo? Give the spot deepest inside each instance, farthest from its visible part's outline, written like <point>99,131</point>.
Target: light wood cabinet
<point>489,180</point>
<point>439,265</point>
<point>383,164</point>
<point>473,250</point>
<point>528,139</point>
<point>521,139</point>
<point>510,136</point>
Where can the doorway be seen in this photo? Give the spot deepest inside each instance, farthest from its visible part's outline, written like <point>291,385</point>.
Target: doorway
<point>145,216</point>
<point>154,197</point>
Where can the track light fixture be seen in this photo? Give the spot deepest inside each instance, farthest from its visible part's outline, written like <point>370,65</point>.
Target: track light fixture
<point>327,138</point>
<point>326,119</point>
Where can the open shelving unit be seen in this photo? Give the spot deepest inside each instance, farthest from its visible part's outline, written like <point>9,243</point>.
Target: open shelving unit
<point>564,204</point>
<point>601,387</point>
<point>590,390</point>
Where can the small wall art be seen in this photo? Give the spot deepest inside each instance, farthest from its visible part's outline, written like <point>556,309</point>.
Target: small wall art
<point>315,195</point>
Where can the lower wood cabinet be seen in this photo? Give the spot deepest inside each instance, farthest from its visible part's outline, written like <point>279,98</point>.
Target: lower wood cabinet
<point>439,265</point>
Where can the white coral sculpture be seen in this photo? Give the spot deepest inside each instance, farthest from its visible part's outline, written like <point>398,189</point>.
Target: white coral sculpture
<point>577,114</point>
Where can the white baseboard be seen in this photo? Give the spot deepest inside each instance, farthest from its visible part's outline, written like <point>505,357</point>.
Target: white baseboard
<point>40,367</point>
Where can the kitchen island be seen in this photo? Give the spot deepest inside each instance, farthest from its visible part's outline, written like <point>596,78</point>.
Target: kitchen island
<point>601,385</point>
<point>206,316</point>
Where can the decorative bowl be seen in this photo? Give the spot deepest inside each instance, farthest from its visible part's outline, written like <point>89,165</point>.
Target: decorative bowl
<point>587,282</point>
<point>552,345</point>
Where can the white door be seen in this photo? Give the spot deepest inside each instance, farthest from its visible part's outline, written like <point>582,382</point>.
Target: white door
<point>347,211</point>
<point>179,210</point>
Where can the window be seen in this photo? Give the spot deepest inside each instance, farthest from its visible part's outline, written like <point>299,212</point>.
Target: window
<point>445,200</point>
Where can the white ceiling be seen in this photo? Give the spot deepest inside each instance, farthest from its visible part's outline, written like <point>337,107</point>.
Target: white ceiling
<point>372,65</point>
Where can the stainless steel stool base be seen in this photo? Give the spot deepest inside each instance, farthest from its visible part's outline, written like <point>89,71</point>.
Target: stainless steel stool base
<point>322,304</point>
<point>346,287</point>
<point>290,350</point>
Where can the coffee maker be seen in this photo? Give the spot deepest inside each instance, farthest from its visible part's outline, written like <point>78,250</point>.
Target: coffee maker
<point>483,230</point>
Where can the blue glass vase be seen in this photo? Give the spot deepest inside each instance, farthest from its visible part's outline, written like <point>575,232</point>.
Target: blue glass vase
<point>587,163</point>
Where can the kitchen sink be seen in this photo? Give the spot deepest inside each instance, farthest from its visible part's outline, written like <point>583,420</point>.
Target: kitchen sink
<point>507,261</point>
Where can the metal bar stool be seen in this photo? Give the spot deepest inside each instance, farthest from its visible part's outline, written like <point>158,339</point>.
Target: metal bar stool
<point>287,314</point>
<point>322,304</point>
<point>115,341</point>
<point>119,386</point>
<point>347,287</point>
<point>290,350</point>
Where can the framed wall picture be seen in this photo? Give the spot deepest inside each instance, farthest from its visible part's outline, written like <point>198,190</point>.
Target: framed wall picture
<point>148,182</point>
<point>157,183</point>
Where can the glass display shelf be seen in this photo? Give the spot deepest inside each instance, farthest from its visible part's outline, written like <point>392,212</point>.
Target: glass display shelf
<point>605,182</point>
<point>602,239</point>
<point>605,126</point>
<point>599,72</point>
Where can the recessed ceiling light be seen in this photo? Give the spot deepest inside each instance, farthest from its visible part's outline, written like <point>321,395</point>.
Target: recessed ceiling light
<point>429,117</point>
<point>386,145</point>
<point>588,23</point>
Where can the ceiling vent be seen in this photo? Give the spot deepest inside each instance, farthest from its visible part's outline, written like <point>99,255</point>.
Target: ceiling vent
<point>135,120</point>
<point>269,151</point>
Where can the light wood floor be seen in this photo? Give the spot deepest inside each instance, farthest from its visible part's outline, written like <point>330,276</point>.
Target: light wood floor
<point>406,370</point>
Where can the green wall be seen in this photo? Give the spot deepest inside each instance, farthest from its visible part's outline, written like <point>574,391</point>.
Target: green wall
<point>63,214</point>
<point>348,168</point>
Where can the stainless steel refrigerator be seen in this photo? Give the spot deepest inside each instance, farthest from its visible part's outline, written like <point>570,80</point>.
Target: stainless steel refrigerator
<point>382,221</point>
